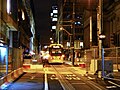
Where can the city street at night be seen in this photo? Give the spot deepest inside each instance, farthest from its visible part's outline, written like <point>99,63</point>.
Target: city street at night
<point>60,77</point>
<point>59,44</point>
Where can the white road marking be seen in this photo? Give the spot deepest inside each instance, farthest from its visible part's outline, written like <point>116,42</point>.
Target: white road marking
<point>46,82</point>
<point>108,87</point>
<point>90,78</point>
<point>114,83</point>
<point>32,77</point>
<point>96,86</point>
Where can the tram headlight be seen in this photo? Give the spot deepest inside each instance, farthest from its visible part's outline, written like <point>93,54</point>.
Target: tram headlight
<point>63,56</point>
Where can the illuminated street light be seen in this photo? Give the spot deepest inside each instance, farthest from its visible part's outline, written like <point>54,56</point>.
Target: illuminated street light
<point>61,28</point>
<point>50,38</point>
<point>102,37</point>
<point>71,41</point>
<point>52,41</point>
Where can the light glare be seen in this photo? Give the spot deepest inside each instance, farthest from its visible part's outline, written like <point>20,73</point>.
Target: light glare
<point>8,6</point>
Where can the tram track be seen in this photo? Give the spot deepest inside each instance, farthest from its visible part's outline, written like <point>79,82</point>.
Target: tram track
<point>72,80</point>
<point>65,84</point>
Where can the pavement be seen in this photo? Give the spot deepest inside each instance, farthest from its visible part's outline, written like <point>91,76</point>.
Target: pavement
<point>110,81</point>
<point>115,75</point>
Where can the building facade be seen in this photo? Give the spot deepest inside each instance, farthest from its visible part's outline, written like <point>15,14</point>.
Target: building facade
<point>71,21</point>
<point>15,33</point>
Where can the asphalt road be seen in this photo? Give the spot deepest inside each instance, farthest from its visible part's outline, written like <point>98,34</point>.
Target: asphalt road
<point>28,81</point>
<point>60,77</point>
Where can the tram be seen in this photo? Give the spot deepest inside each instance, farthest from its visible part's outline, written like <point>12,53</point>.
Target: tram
<point>56,54</point>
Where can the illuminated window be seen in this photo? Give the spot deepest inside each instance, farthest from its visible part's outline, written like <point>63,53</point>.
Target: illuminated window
<point>53,27</point>
<point>81,44</point>
<point>23,15</point>
<point>55,11</point>
<point>54,19</point>
<point>55,15</point>
<point>51,14</point>
<point>8,6</point>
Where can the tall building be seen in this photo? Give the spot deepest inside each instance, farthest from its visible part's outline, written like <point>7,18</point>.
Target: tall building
<point>71,20</point>
<point>54,19</point>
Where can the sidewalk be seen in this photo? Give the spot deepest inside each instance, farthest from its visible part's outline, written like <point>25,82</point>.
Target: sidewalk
<point>115,75</point>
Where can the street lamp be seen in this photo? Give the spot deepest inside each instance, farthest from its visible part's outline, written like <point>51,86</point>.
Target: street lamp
<point>61,28</point>
<point>102,37</point>
<point>71,44</point>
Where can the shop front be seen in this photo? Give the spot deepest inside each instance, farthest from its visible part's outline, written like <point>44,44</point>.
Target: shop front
<point>3,60</point>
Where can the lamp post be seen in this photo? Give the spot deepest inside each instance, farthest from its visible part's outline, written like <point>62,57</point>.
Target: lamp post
<point>62,29</point>
<point>71,43</point>
<point>102,37</point>
<point>100,24</point>
<point>99,33</point>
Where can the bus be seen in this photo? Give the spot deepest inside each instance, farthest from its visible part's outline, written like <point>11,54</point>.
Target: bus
<point>56,54</point>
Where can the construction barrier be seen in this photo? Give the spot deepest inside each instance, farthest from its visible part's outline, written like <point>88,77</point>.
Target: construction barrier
<point>5,83</point>
<point>1,81</point>
<point>82,65</point>
<point>20,71</point>
<point>16,74</point>
<point>9,78</point>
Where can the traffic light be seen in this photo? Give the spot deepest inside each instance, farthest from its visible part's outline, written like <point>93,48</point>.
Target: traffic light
<point>114,39</point>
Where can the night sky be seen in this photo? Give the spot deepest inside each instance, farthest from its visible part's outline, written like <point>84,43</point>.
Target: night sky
<point>42,19</point>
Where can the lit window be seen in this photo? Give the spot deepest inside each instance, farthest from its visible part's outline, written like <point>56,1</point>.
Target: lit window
<point>55,16</point>
<point>55,11</point>
<point>53,27</point>
<point>77,23</point>
<point>81,44</point>
<point>23,15</point>
<point>54,19</point>
<point>8,6</point>
<point>51,14</point>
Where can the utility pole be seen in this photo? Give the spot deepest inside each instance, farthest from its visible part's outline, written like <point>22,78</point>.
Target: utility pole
<point>100,34</point>
<point>100,25</point>
<point>73,33</point>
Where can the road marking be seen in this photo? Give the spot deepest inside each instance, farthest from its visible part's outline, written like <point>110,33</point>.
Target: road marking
<point>32,77</point>
<point>114,83</point>
<point>90,78</point>
<point>53,77</point>
<point>76,78</point>
<point>108,87</point>
<point>78,83</point>
<point>112,79</point>
<point>95,86</point>
<point>46,82</point>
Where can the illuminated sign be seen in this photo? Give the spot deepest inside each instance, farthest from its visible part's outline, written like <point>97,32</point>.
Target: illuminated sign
<point>56,46</point>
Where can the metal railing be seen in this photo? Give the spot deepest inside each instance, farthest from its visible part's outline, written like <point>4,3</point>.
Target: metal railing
<point>112,54</point>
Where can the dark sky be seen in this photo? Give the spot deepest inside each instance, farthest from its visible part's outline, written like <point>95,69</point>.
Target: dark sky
<point>42,19</point>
